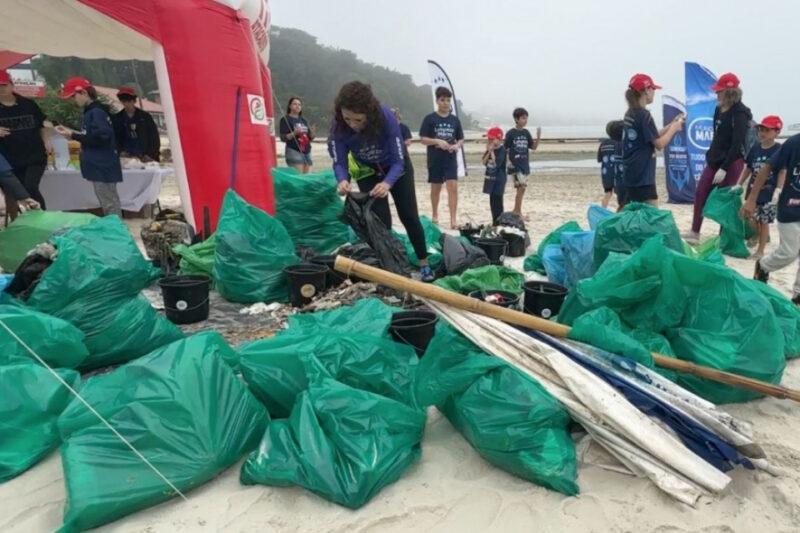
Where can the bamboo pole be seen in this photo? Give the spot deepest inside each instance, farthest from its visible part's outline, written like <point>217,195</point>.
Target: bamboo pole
<point>432,292</point>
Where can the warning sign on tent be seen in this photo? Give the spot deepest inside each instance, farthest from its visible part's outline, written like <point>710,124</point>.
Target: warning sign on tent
<point>258,111</point>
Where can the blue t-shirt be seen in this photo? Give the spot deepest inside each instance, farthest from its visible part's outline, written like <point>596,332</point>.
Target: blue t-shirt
<point>494,183</point>
<point>385,153</point>
<point>518,142</point>
<point>755,160</point>
<point>435,126</point>
<point>609,155</point>
<point>638,152</point>
<point>788,158</point>
<point>405,132</point>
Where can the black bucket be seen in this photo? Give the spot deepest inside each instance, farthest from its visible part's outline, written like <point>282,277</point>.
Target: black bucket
<point>543,298</point>
<point>306,280</point>
<point>516,244</point>
<point>470,232</point>
<point>185,298</point>
<point>495,248</point>
<point>415,328</point>
<point>506,299</point>
<point>334,278</point>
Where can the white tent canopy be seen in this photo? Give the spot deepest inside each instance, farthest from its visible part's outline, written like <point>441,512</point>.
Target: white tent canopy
<point>68,28</point>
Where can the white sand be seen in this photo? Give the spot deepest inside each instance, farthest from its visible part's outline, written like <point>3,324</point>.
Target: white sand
<point>452,488</point>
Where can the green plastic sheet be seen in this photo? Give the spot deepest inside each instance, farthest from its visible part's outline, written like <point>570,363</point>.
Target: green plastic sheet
<point>309,208</point>
<point>197,259</point>
<point>710,314</point>
<point>340,442</point>
<point>30,403</point>
<point>32,228</point>
<point>252,249</point>
<point>505,415</point>
<point>723,206</point>
<point>94,284</point>
<point>626,231</point>
<point>788,316</point>
<point>708,250</point>
<point>56,341</point>
<point>603,328</point>
<point>490,277</point>
<point>183,408</point>
<point>432,243</point>
<point>534,261</point>
<point>280,368</point>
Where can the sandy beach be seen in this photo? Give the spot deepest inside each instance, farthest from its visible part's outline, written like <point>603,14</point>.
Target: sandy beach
<point>452,488</point>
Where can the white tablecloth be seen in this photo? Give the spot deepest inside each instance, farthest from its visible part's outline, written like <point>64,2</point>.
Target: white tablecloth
<point>66,190</point>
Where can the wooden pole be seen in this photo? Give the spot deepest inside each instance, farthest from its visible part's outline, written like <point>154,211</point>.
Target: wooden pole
<point>432,292</point>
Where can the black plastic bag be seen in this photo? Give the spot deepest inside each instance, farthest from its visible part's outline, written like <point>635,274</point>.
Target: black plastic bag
<point>460,256</point>
<point>370,229</point>
<point>513,220</point>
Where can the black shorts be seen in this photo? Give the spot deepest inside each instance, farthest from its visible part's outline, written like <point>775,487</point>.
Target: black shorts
<point>644,193</point>
<point>608,183</point>
<point>608,189</point>
<point>442,172</point>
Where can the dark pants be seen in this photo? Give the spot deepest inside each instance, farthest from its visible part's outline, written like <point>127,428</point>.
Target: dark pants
<point>496,205</point>
<point>706,183</point>
<point>30,177</point>
<point>405,201</point>
<point>12,188</point>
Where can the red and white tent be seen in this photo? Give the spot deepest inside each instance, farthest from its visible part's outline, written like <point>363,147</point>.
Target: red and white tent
<point>211,61</point>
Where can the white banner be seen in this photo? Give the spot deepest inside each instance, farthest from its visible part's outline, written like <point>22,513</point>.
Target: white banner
<point>439,78</point>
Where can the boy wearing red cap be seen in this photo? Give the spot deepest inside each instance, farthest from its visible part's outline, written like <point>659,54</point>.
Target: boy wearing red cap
<point>787,160</point>
<point>641,139</point>
<point>494,184</point>
<point>99,157</point>
<point>766,209</point>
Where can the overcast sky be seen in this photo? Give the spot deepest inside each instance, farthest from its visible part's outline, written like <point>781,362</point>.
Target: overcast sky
<point>567,61</point>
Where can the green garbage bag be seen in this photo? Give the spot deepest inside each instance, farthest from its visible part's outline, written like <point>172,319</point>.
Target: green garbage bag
<point>197,259</point>
<point>710,314</point>
<point>309,208</point>
<point>603,328</point>
<point>280,368</point>
<point>252,249</point>
<point>788,316</point>
<point>723,206</point>
<point>94,284</point>
<point>626,231</point>
<point>32,228</point>
<point>432,244</point>
<point>56,341</point>
<point>533,263</point>
<point>368,316</point>
<point>708,250</point>
<point>181,406</point>
<point>509,418</point>
<point>341,443</point>
<point>484,278</point>
<point>31,400</point>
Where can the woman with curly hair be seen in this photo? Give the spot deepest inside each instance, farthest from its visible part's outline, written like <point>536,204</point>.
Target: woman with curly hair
<point>366,146</point>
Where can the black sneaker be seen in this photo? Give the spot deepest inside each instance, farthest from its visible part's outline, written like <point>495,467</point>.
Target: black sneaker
<point>760,274</point>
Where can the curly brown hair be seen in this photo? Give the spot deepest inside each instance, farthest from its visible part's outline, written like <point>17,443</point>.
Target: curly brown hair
<point>357,97</point>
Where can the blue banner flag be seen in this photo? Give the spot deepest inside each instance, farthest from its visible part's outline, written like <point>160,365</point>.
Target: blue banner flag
<point>700,104</point>
<point>680,182</point>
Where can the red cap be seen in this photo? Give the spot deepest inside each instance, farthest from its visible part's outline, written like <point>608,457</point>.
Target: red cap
<point>772,122</point>
<point>5,78</point>
<point>640,82</point>
<point>495,133</point>
<point>73,85</point>
<point>130,91</point>
<point>726,81</point>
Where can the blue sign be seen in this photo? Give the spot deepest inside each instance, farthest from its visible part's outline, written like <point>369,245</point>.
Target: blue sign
<point>700,104</point>
<point>680,182</point>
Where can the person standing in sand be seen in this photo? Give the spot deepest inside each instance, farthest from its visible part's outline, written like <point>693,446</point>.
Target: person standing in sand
<point>441,132</point>
<point>641,139</point>
<point>725,156</point>
<point>366,134</point>
<point>297,134</point>
<point>518,143</point>
<point>405,131</point>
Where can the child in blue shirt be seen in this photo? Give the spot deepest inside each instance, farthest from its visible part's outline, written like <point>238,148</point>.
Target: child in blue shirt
<point>494,184</point>
<point>609,155</point>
